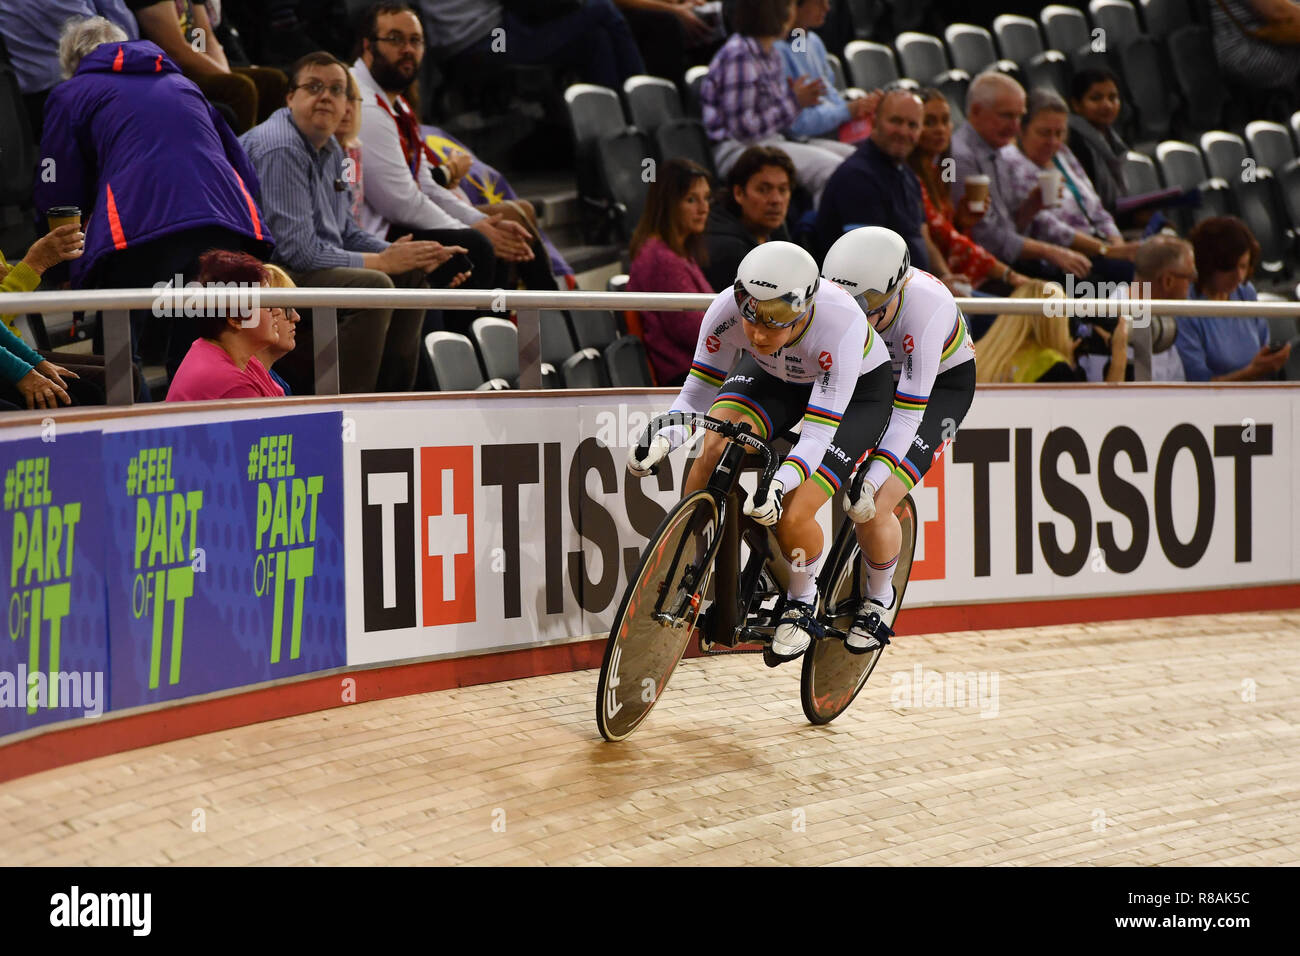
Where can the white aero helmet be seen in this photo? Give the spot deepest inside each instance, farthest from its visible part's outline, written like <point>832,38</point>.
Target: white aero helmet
<point>870,262</point>
<point>775,284</point>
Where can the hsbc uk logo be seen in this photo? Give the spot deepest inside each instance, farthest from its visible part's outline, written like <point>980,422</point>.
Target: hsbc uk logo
<point>824,360</point>
<point>445,529</point>
<point>713,343</point>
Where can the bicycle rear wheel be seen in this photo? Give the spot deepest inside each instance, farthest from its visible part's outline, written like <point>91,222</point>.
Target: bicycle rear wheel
<point>832,675</point>
<point>656,618</point>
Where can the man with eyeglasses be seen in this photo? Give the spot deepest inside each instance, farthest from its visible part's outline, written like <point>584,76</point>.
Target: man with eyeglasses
<point>805,355</point>
<point>984,145</point>
<point>398,168</point>
<point>305,198</point>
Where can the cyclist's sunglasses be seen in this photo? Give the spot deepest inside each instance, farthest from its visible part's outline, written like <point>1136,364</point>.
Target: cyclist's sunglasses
<point>873,305</point>
<point>748,305</point>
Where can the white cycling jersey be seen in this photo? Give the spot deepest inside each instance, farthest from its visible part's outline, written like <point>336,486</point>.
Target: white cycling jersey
<point>927,337</point>
<point>834,349</point>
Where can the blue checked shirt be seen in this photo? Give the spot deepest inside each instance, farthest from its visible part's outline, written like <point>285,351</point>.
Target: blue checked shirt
<point>745,95</point>
<point>310,218</point>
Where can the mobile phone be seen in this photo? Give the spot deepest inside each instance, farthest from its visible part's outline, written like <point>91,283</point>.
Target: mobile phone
<point>1294,342</point>
<point>459,263</point>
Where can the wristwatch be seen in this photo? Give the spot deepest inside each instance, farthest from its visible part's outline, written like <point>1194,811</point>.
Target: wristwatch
<point>1104,250</point>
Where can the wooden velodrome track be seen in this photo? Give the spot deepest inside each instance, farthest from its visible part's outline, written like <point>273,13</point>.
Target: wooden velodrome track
<point>1170,740</point>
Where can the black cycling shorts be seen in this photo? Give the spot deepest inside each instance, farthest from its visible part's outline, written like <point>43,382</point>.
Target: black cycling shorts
<point>773,406</point>
<point>950,400</point>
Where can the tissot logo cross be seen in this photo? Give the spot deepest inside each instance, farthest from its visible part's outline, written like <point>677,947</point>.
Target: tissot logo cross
<point>447,535</point>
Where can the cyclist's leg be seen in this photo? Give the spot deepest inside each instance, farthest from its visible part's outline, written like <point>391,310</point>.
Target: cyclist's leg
<point>881,538</point>
<point>801,538</point>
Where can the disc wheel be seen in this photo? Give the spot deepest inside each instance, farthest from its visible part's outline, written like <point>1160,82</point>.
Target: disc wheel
<point>643,651</point>
<point>832,674</point>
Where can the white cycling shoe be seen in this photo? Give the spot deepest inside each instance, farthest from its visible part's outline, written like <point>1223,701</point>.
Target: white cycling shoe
<point>793,635</point>
<point>869,631</point>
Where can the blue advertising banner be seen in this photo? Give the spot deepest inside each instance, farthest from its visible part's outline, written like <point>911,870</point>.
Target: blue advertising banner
<point>225,546</point>
<point>53,665</point>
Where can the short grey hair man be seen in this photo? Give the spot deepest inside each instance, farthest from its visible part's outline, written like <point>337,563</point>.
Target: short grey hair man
<point>1162,253</point>
<point>80,36</point>
<point>985,89</point>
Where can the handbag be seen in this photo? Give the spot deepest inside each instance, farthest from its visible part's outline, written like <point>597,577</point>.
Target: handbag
<point>1282,32</point>
<point>534,12</point>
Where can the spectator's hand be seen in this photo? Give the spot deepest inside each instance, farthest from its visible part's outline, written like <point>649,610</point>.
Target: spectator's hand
<point>808,90</point>
<point>1016,280</point>
<point>1070,261</point>
<point>403,255</point>
<point>695,29</point>
<point>458,164</point>
<point>41,392</point>
<point>510,241</point>
<point>964,218</point>
<point>1032,205</point>
<point>55,373</point>
<point>58,245</point>
<point>1266,363</point>
<point>459,280</point>
<point>1123,250</point>
<point>866,105</point>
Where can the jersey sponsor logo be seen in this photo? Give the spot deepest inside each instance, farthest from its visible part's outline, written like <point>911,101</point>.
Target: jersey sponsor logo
<point>713,343</point>
<point>838,452</point>
<point>924,446</point>
<point>824,360</point>
<point>908,344</point>
<point>746,379</point>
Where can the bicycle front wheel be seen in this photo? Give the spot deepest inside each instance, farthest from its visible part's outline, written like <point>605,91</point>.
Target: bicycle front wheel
<point>657,615</point>
<point>832,675</point>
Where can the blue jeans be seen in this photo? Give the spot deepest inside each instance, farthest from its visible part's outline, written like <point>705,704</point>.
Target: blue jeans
<point>595,40</point>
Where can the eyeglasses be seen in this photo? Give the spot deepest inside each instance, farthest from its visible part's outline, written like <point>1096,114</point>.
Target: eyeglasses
<point>399,41</point>
<point>864,302</point>
<point>799,301</point>
<point>316,87</point>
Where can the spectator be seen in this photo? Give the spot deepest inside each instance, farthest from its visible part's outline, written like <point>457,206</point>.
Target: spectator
<point>1166,266</point>
<point>1268,62</point>
<point>593,40</point>
<point>671,34</point>
<point>969,261</point>
<point>306,203</point>
<point>875,187</point>
<point>748,101</point>
<point>35,378</point>
<point>286,329</point>
<point>984,144</point>
<point>1226,348</point>
<point>667,249</point>
<point>401,194</point>
<point>804,54</point>
<point>1094,97</point>
<point>159,178</point>
<point>751,211</point>
<point>1038,347</point>
<point>1078,221</point>
<point>223,361</point>
<point>30,30</point>
<point>185,32</point>
<point>348,136</point>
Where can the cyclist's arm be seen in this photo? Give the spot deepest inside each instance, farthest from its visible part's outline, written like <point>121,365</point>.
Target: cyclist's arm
<point>830,397</point>
<point>715,353</point>
<point>911,396</point>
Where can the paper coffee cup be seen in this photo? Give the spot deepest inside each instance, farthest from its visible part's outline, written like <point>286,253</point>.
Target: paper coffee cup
<point>62,215</point>
<point>1049,186</point>
<point>977,192</point>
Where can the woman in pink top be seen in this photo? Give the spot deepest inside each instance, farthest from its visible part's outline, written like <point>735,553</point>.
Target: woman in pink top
<point>222,362</point>
<point>667,251</point>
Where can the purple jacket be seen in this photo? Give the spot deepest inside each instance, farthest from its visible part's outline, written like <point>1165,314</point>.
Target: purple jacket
<point>136,146</point>
<point>670,337</point>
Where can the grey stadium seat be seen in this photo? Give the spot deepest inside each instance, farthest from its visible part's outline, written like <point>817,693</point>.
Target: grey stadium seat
<point>594,328</point>
<point>626,364</point>
<point>1270,144</point>
<point>921,55</point>
<point>685,138</point>
<point>1066,28</point>
<point>1163,17</point>
<point>1140,174</point>
<point>1149,93</point>
<point>837,71</point>
<point>871,65</point>
<point>970,47</point>
<point>594,111</point>
<point>619,160</point>
<point>1049,69</point>
<point>585,369</point>
<point>1181,164</point>
<point>557,340</point>
<point>652,101</point>
<point>1018,38</point>
<point>498,343</point>
<point>694,77</point>
<point>1205,98</point>
<point>1224,154</point>
<point>455,364</point>
<point>1118,18</point>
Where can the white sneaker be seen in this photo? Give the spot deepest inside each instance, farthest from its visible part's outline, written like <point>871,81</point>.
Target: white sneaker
<point>869,631</point>
<point>795,632</point>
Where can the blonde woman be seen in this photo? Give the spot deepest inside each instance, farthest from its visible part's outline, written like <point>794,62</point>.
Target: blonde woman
<point>1039,348</point>
<point>286,327</point>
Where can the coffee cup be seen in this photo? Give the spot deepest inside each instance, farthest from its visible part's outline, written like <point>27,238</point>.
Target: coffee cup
<point>62,216</point>
<point>977,192</point>
<point>1049,186</point>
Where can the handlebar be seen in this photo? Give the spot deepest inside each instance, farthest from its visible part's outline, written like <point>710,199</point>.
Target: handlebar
<point>739,432</point>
